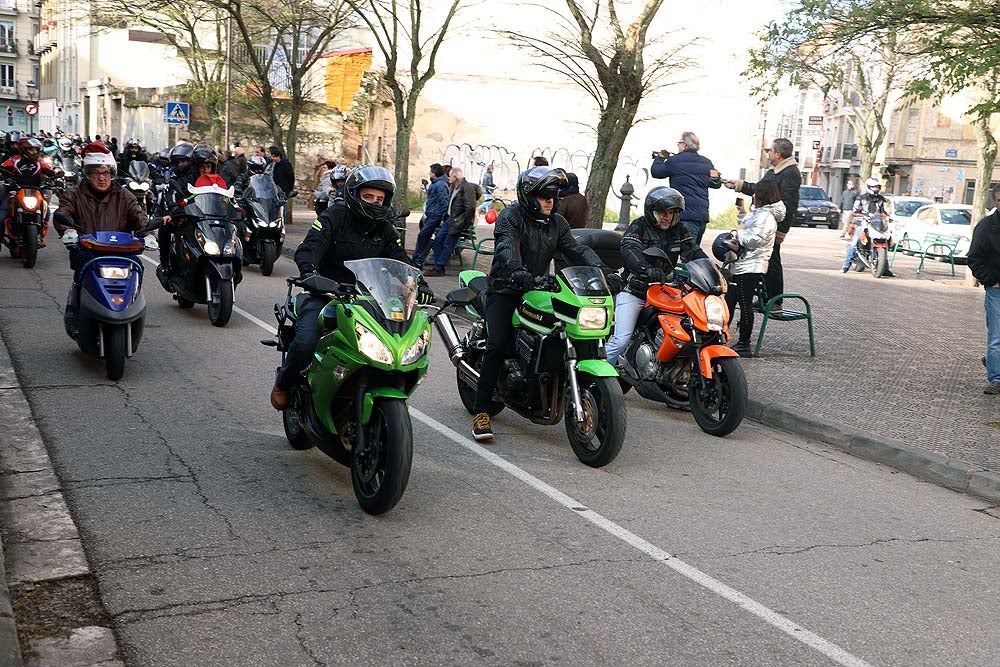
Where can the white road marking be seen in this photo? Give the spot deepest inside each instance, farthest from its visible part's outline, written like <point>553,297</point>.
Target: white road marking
<point>766,614</point>
<point>236,309</point>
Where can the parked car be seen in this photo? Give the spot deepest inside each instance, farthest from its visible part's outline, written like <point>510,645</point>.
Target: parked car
<point>901,210</point>
<point>816,208</point>
<point>940,219</point>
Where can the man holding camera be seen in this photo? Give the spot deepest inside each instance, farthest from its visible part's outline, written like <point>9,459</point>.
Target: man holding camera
<point>692,175</point>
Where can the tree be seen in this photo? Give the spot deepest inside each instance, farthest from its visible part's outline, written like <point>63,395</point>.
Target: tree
<point>410,51</point>
<point>868,73</point>
<point>607,60</point>
<point>277,44</point>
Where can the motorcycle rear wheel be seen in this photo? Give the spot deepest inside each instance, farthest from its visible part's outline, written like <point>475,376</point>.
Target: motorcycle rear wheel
<point>468,396</point>
<point>380,472</point>
<point>29,250</point>
<point>718,405</point>
<point>598,439</point>
<point>115,350</point>
<point>859,266</point>
<point>296,434</point>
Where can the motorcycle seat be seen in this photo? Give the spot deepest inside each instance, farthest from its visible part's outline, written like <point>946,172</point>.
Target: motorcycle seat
<point>479,284</point>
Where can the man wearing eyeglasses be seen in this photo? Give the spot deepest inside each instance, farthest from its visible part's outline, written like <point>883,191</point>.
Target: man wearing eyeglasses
<point>691,174</point>
<point>785,171</point>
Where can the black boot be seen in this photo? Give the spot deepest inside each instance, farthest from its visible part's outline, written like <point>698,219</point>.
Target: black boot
<point>743,349</point>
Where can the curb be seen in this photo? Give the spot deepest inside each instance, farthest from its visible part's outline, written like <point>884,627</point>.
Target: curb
<point>10,648</point>
<point>925,466</point>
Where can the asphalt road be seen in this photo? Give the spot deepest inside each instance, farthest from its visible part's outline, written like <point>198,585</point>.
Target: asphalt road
<point>214,543</point>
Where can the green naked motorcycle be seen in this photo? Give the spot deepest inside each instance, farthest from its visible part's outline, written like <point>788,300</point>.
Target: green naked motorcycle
<point>351,402</point>
<point>554,367</point>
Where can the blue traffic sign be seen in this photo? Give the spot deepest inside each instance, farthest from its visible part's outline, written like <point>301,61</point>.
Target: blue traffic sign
<point>178,113</point>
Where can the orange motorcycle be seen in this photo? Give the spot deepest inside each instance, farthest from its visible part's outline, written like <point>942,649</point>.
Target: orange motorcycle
<point>677,354</point>
<point>26,225</point>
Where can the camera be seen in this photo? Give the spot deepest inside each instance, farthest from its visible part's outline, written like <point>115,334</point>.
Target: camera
<point>664,153</point>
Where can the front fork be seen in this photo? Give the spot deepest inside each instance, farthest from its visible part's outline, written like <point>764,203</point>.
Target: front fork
<point>574,385</point>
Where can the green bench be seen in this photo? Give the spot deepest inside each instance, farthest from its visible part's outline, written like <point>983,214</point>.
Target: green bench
<point>763,303</point>
<point>467,241</point>
<point>936,246</point>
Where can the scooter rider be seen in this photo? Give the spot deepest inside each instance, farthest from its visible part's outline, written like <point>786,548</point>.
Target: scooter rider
<point>98,204</point>
<point>178,177</point>
<point>659,227</point>
<point>359,228</point>
<point>528,234</point>
<point>133,151</point>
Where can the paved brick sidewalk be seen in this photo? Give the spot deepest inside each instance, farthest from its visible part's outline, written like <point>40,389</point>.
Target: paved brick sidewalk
<point>898,359</point>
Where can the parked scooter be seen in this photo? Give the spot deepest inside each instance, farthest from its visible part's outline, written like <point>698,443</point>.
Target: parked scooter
<point>554,366</point>
<point>871,251</point>
<point>676,355</point>
<point>352,404</point>
<point>26,225</point>
<point>106,309</point>
<point>265,227</point>
<point>205,254</point>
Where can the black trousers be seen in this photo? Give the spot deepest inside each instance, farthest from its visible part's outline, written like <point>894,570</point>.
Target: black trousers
<point>499,328</point>
<point>742,293</point>
<point>774,279</point>
<point>303,345</point>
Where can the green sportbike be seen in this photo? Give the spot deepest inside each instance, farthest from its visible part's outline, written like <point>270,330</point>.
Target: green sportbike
<point>554,366</point>
<point>352,400</point>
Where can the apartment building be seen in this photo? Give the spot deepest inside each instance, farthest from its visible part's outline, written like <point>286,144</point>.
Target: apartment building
<point>19,64</point>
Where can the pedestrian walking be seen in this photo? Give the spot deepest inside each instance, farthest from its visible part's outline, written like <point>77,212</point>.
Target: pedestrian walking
<point>847,199</point>
<point>691,174</point>
<point>488,187</point>
<point>785,171</point>
<point>984,262</point>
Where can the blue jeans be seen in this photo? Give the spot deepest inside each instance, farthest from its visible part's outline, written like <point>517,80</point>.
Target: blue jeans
<point>993,334</point>
<point>424,240</point>
<point>627,309</point>
<point>696,228</point>
<point>852,247</point>
<point>444,245</point>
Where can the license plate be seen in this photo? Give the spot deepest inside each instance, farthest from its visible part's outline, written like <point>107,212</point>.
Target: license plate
<point>819,217</point>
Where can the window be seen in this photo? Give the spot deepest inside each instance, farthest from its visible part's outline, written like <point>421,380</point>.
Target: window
<point>6,76</point>
<point>927,214</point>
<point>6,34</point>
<point>912,125</point>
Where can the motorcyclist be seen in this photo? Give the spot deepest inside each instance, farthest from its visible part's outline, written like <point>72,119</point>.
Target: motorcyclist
<point>24,169</point>
<point>133,151</point>
<point>360,227</point>
<point>338,176</point>
<point>528,234</point>
<point>98,204</point>
<point>660,227</point>
<point>870,203</point>
<point>255,167</point>
<point>180,175</point>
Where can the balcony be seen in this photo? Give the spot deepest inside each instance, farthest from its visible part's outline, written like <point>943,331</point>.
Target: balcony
<point>8,49</point>
<point>849,152</point>
<point>7,91</point>
<point>44,42</point>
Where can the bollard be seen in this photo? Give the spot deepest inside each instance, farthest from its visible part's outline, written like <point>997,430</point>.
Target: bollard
<point>624,214</point>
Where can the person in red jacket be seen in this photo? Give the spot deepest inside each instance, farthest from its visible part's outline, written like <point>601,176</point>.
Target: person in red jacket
<point>22,170</point>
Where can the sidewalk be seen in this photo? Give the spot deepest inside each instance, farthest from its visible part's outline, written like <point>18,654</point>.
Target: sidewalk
<point>898,376</point>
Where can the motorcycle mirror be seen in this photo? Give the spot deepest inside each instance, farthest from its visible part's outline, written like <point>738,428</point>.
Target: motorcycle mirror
<point>317,283</point>
<point>403,213</point>
<point>461,297</point>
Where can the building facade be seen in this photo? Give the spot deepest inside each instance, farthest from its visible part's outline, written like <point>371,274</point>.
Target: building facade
<point>19,64</point>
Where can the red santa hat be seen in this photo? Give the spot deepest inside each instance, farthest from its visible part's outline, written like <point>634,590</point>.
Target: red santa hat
<point>96,154</point>
<point>210,184</point>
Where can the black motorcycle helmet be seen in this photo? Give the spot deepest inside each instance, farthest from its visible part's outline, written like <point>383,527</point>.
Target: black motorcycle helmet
<point>662,199</point>
<point>256,164</point>
<point>133,146</point>
<point>369,177</point>
<point>204,154</point>
<point>537,181</point>
<point>182,152</point>
<point>725,247</point>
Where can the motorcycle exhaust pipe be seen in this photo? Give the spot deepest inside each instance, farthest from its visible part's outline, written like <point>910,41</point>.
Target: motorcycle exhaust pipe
<point>449,335</point>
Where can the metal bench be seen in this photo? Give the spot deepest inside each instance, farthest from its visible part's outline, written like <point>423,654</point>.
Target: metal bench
<point>763,306</point>
<point>939,246</point>
<point>467,241</point>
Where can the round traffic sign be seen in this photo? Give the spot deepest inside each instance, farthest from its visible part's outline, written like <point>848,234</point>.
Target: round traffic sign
<point>30,109</point>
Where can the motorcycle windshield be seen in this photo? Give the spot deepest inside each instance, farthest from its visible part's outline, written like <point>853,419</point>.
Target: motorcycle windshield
<point>704,277</point>
<point>208,205</point>
<point>262,186</point>
<point>877,223</point>
<point>391,283</point>
<point>585,280</point>
<point>139,171</point>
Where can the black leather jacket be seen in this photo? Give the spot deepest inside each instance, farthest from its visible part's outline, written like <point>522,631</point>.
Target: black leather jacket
<point>870,202</point>
<point>530,245</point>
<point>337,236</point>
<point>676,242</point>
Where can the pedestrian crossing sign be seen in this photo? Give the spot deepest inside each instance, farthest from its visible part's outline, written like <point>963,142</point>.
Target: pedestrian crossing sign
<point>178,113</point>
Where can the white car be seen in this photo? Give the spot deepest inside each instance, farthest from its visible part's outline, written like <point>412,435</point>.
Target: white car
<point>940,219</point>
<point>901,210</point>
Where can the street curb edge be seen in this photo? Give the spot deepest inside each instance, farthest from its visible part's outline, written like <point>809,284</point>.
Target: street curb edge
<point>923,465</point>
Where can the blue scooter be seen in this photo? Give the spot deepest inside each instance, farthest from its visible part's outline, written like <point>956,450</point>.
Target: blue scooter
<point>105,309</point>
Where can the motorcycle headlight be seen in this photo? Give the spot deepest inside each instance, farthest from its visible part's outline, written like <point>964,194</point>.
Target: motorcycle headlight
<point>418,349</point>
<point>133,185</point>
<point>115,272</point>
<point>30,202</point>
<point>715,312</point>
<point>592,317</point>
<point>371,346</point>
<point>232,247</point>
<point>144,186</point>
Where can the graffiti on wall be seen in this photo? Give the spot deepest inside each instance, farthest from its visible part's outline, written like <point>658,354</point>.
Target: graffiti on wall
<point>473,160</point>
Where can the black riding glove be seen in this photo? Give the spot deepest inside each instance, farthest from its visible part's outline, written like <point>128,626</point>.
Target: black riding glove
<point>654,275</point>
<point>425,295</point>
<point>522,280</point>
<point>615,283</point>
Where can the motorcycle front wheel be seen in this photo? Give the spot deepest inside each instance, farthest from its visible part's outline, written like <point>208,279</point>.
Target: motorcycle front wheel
<point>115,351</point>
<point>880,262</point>
<point>381,470</point>
<point>598,439</point>
<point>220,301</point>
<point>29,250</point>
<point>267,257</point>
<point>718,404</point>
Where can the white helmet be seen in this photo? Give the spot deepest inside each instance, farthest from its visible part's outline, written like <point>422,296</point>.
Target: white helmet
<point>97,154</point>
<point>873,183</point>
